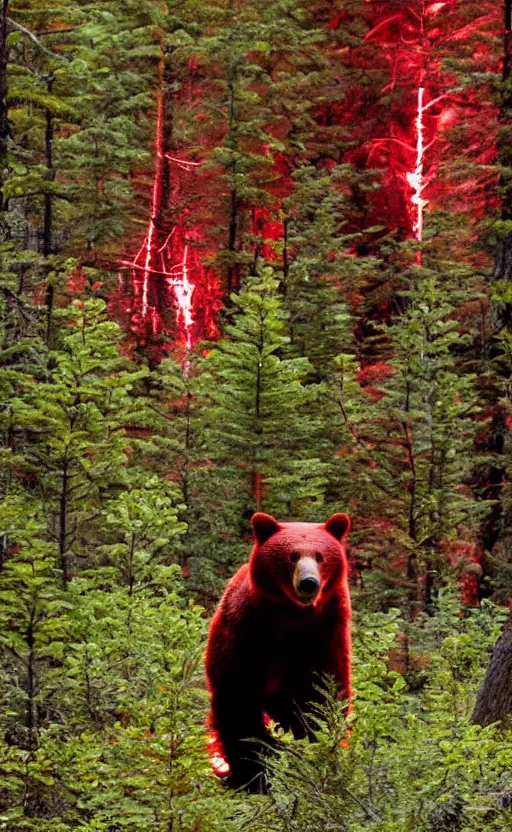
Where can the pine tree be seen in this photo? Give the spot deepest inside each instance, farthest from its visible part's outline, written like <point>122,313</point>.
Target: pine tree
<point>257,426</point>
<point>32,619</point>
<point>140,523</point>
<point>321,273</point>
<point>114,60</point>
<point>164,430</point>
<point>132,689</point>
<point>73,423</point>
<point>413,433</point>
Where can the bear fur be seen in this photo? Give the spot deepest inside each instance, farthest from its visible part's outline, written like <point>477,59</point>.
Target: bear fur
<point>283,622</point>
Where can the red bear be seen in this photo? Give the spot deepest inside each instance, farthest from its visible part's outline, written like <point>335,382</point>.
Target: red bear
<point>284,620</point>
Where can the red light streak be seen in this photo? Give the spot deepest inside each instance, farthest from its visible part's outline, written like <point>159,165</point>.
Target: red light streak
<point>156,195</point>
<point>171,232</point>
<point>182,162</point>
<point>434,8</point>
<point>167,269</point>
<point>410,142</point>
<point>415,177</point>
<point>409,48</point>
<point>183,291</point>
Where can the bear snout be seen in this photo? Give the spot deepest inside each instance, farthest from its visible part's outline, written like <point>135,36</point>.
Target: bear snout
<point>306,580</point>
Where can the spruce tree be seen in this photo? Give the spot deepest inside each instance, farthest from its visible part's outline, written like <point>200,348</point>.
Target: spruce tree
<point>33,623</point>
<point>73,420</point>
<point>412,426</point>
<point>255,413</point>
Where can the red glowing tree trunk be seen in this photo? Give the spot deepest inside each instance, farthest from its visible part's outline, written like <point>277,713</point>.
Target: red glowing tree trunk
<point>174,296</point>
<point>155,241</point>
<point>418,91</point>
<point>405,129</point>
<point>149,265</point>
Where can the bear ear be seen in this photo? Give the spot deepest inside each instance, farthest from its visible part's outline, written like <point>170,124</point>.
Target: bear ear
<point>338,525</point>
<point>264,526</point>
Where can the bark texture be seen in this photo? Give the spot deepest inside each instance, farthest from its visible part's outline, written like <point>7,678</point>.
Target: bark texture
<point>4,112</point>
<point>494,699</point>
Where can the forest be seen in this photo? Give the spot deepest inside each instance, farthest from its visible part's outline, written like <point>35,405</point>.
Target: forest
<point>255,255</point>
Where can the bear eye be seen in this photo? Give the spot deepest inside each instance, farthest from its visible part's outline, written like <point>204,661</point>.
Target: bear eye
<point>294,557</point>
<point>318,557</point>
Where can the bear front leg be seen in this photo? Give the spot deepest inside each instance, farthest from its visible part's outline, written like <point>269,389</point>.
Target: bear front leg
<point>239,727</point>
<point>339,650</point>
<point>292,713</point>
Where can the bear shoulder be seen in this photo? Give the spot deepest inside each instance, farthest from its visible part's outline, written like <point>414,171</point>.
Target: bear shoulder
<point>237,603</point>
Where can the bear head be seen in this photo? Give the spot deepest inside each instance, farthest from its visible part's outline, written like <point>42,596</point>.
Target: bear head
<point>301,563</point>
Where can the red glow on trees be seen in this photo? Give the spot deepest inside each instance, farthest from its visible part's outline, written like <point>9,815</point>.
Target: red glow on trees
<point>415,178</point>
<point>401,124</point>
<point>267,229</point>
<point>420,102</point>
<point>172,293</point>
<point>418,85</point>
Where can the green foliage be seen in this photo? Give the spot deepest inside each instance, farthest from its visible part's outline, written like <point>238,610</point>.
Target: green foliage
<point>319,320</point>
<point>126,737</point>
<point>411,424</point>
<point>413,760</point>
<point>120,721</point>
<point>74,446</point>
<point>32,616</point>
<point>142,522</point>
<point>256,403</point>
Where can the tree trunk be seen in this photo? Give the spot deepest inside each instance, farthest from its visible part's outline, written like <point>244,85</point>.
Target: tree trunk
<point>286,260</point>
<point>492,476</point>
<point>48,201</point>
<point>164,147</point>
<point>188,445</point>
<point>232,281</point>
<point>494,699</point>
<point>4,110</point>
<point>63,535</point>
<point>48,215</point>
<point>31,713</point>
<point>155,258</point>
<point>232,276</point>
<point>501,312</point>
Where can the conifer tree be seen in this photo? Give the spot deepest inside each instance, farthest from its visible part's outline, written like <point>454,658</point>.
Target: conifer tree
<point>412,432</point>
<point>113,67</point>
<point>138,528</point>
<point>32,621</point>
<point>321,274</point>
<point>240,154</point>
<point>257,425</point>
<point>164,427</point>
<point>73,422</point>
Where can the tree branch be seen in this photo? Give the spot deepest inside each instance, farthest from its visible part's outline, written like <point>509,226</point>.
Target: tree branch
<point>12,23</point>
